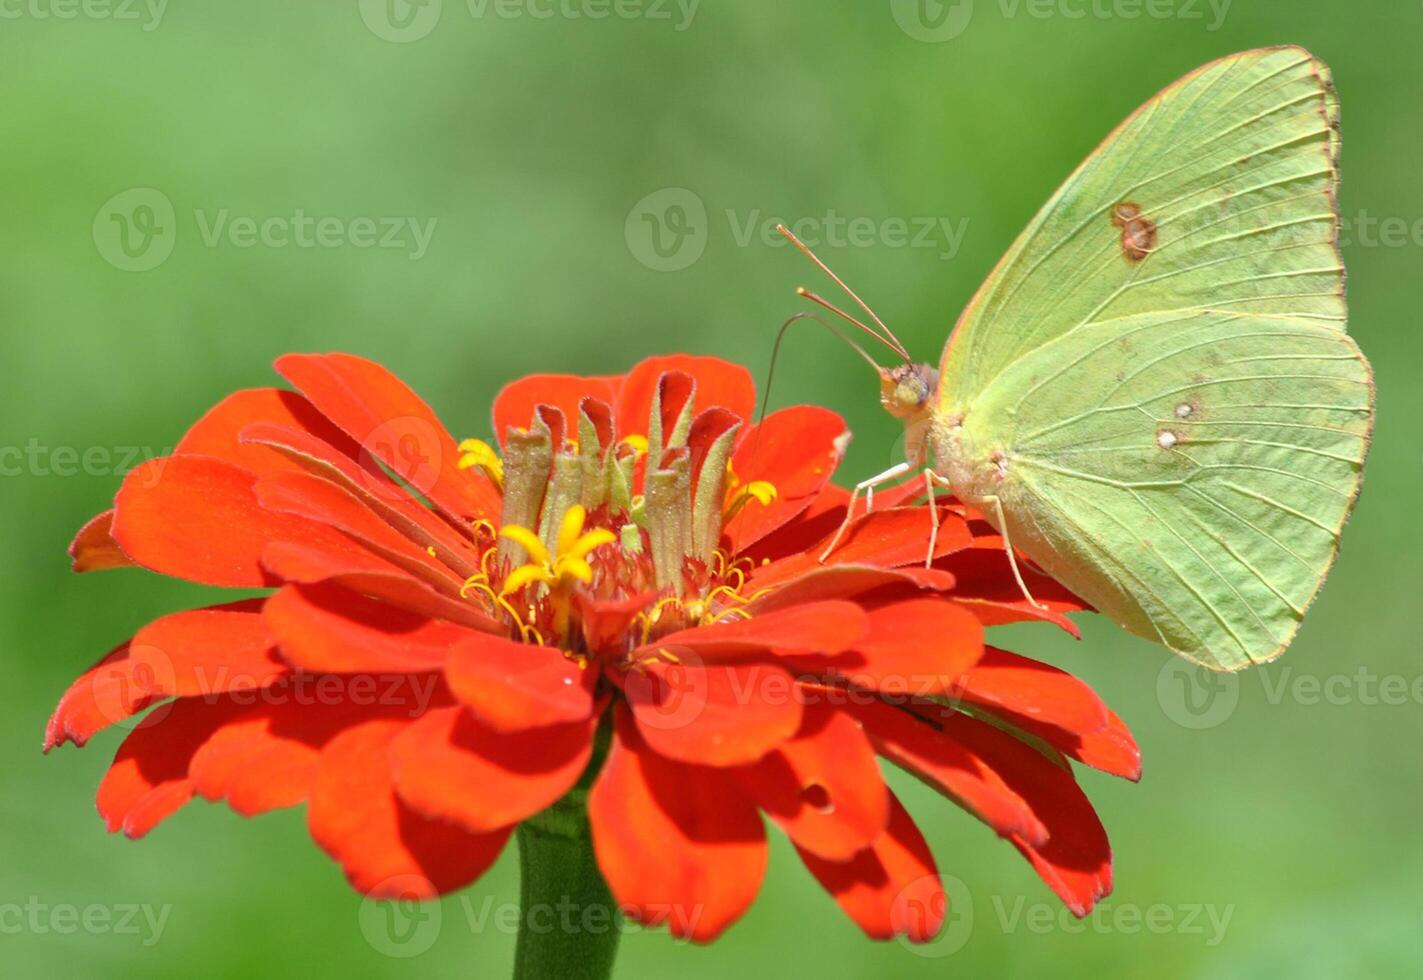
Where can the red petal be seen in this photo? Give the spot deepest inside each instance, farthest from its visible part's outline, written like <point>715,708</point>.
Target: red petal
<point>386,848</point>
<point>316,499</point>
<point>850,581</point>
<point>709,426</point>
<point>989,590</point>
<point>918,745</point>
<point>148,780</point>
<point>217,432</point>
<point>378,491</point>
<point>1053,705</point>
<point>199,653</point>
<point>448,766</point>
<point>885,538</point>
<point>719,383</point>
<point>393,425</point>
<point>812,526</point>
<point>94,548</point>
<point>1113,749</point>
<point>372,576</point>
<point>1076,859</point>
<point>677,844</point>
<point>823,787</point>
<point>795,449</point>
<point>325,628</point>
<point>266,758</point>
<point>719,715</point>
<point>606,622</point>
<point>512,687</point>
<point>515,404</point>
<point>915,646</point>
<point>103,695</point>
<point>891,889</point>
<point>197,518</point>
<point>1020,689</point>
<point>822,627</point>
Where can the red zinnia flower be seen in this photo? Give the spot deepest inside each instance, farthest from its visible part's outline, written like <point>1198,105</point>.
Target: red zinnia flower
<point>623,609</point>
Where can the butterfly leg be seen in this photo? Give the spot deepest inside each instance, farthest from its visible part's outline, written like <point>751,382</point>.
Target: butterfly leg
<point>932,480</point>
<point>893,473</point>
<point>1012,559</point>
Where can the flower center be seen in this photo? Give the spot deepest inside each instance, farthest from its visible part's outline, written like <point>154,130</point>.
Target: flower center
<point>608,542</point>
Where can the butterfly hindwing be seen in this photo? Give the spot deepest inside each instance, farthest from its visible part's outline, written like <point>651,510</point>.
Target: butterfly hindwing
<point>1196,490</point>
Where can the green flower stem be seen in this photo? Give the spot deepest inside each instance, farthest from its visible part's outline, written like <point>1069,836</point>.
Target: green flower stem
<point>569,927</point>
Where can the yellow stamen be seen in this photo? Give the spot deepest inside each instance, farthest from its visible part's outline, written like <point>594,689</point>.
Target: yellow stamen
<point>638,444</point>
<point>569,562</point>
<point>526,575</point>
<point>529,541</point>
<point>739,494</point>
<point>478,453</point>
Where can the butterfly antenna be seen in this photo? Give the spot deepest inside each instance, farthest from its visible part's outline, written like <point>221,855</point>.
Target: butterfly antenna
<point>776,353</point>
<point>884,335</point>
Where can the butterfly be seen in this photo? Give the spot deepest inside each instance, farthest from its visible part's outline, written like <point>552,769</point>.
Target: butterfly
<point>1153,395</point>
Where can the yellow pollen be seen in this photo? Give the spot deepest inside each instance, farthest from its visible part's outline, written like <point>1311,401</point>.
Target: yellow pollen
<point>478,453</point>
<point>638,444</point>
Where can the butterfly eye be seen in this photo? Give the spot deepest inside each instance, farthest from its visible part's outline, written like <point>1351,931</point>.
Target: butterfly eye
<point>911,392</point>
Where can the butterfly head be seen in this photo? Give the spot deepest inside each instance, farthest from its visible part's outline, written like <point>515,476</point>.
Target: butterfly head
<point>907,391</point>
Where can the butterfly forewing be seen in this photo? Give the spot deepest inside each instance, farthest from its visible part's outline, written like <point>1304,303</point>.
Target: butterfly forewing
<point>1231,172</point>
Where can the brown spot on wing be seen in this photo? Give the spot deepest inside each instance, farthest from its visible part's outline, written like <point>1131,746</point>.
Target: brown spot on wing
<point>1138,238</point>
<point>1138,231</point>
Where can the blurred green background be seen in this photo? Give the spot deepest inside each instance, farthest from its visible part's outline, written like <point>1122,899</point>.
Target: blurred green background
<point>1276,833</point>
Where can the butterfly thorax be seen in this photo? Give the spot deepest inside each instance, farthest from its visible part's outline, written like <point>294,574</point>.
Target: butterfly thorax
<point>975,469</point>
